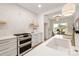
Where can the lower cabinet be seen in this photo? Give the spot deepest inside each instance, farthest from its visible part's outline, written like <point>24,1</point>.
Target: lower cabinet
<point>36,39</point>
<point>8,47</point>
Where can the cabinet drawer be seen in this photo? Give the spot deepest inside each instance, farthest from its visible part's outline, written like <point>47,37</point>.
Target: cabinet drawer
<point>7,40</point>
<point>7,47</point>
<point>8,44</point>
<point>9,52</point>
<point>4,41</point>
<point>36,39</point>
<point>35,43</point>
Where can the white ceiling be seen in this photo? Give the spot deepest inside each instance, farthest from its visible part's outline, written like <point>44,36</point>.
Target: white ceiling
<point>33,7</point>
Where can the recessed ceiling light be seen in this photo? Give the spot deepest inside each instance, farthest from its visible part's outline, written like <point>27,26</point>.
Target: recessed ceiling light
<point>39,6</point>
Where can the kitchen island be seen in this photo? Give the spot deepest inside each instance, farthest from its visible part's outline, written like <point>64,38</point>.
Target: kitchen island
<point>55,46</point>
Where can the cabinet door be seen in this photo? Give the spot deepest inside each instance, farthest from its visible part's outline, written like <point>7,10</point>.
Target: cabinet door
<point>8,47</point>
<point>4,45</point>
<point>36,39</point>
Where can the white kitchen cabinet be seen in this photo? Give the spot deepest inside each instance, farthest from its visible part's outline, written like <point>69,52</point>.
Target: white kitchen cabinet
<point>36,39</point>
<point>8,46</point>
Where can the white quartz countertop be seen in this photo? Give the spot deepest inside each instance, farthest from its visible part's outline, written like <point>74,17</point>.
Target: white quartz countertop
<point>6,37</point>
<point>44,50</point>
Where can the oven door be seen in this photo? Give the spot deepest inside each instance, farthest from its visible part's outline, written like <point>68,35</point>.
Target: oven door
<point>24,40</point>
<point>24,49</point>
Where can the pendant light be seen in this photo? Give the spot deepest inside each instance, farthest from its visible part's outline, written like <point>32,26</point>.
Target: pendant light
<point>68,9</point>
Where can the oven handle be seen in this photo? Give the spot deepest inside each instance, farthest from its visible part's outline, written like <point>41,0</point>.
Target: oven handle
<point>21,45</point>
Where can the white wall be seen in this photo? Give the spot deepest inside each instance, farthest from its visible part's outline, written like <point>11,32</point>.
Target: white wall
<point>41,20</point>
<point>17,19</point>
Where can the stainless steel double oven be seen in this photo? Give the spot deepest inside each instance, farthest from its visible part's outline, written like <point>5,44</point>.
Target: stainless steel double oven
<point>24,43</point>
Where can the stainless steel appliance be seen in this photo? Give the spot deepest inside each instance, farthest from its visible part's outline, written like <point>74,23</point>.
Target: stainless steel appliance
<point>24,41</point>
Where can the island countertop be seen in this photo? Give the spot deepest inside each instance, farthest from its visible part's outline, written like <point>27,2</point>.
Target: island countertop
<point>45,48</point>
